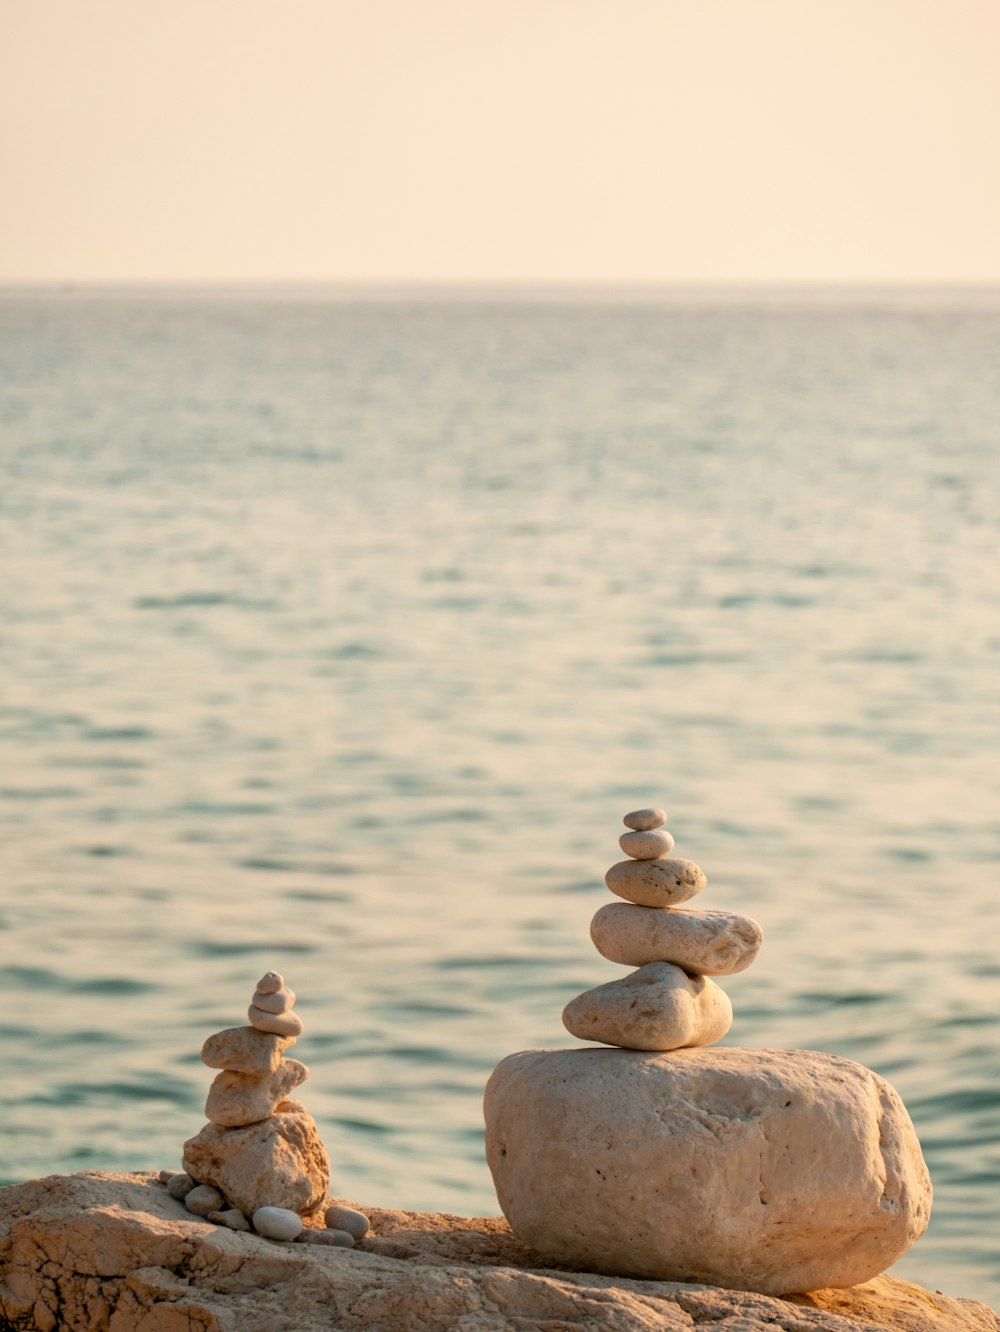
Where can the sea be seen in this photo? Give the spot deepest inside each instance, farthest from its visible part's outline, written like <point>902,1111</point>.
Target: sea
<point>339,628</point>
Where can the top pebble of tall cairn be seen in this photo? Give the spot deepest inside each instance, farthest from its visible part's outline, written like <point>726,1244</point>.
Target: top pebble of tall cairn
<point>670,1002</point>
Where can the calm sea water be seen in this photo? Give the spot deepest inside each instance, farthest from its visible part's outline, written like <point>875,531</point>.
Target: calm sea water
<point>338,632</point>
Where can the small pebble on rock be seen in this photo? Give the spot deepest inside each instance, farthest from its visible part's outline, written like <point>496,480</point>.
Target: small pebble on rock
<point>277,1223</point>
<point>165,1176</point>
<point>346,1218</point>
<point>280,1024</point>
<point>340,1239</point>
<point>233,1218</point>
<point>644,820</point>
<point>270,982</point>
<point>278,1002</point>
<point>646,845</point>
<point>179,1186</point>
<point>204,1199</point>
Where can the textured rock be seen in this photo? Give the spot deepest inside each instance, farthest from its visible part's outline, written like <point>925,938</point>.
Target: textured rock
<point>658,1007</point>
<point>647,845</point>
<point>336,1239</point>
<point>765,1170</point>
<point>104,1253</point>
<point>244,1050</point>
<point>656,883</point>
<point>706,943</point>
<point>644,820</point>
<point>231,1217</point>
<point>235,1099</point>
<point>278,1162</point>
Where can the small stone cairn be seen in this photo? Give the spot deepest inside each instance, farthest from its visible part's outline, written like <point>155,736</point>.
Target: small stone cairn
<point>670,1002</point>
<point>259,1163</point>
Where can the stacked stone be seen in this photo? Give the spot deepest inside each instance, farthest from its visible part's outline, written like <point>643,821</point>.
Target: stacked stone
<point>259,1161</point>
<point>670,1002</point>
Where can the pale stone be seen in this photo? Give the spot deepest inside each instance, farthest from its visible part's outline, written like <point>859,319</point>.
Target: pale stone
<point>644,820</point>
<point>337,1239</point>
<point>705,943</point>
<point>647,845</point>
<point>277,1223</point>
<point>235,1099</point>
<point>658,1007</point>
<point>277,1002</point>
<point>165,1176</point>
<point>232,1218</point>
<point>656,883</point>
<point>270,982</point>
<point>94,1250</point>
<point>281,1024</point>
<point>244,1050</point>
<point>179,1186</point>
<point>765,1170</point>
<point>203,1199</point>
<point>338,1217</point>
<point>278,1162</point>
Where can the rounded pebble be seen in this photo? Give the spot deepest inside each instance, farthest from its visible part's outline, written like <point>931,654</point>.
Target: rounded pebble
<point>233,1218</point>
<point>179,1186</point>
<point>165,1176</point>
<point>646,845</point>
<point>346,1218</point>
<point>277,1002</point>
<point>339,1239</point>
<point>656,883</point>
<point>277,1223</point>
<point>279,1024</point>
<point>204,1199</point>
<point>645,820</point>
<point>270,982</point>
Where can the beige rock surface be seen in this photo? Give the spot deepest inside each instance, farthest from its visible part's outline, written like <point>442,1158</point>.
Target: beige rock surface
<point>658,1007</point>
<point>766,1170</point>
<point>245,1050</point>
<point>115,1253</point>
<point>656,883</point>
<point>707,943</point>
<point>235,1099</point>
<point>278,1162</point>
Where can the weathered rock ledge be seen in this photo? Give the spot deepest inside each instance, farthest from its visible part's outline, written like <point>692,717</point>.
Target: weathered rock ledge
<point>80,1253</point>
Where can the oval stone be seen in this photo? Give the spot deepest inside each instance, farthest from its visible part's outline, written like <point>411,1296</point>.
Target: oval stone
<point>274,1001</point>
<point>656,883</point>
<point>354,1222</point>
<point>280,1024</point>
<point>204,1199</point>
<point>271,982</point>
<point>647,845</point>
<point>278,1223</point>
<point>658,1007</point>
<point>778,1171</point>
<point>705,943</point>
<point>643,820</point>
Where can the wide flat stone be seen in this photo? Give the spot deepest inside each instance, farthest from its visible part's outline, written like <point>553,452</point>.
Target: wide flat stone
<point>706,943</point>
<point>656,883</point>
<point>775,1171</point>
<point>658,1007</point>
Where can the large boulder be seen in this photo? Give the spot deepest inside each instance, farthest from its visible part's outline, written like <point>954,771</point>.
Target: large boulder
<point>116,1253</point>
<point>767,1170</point>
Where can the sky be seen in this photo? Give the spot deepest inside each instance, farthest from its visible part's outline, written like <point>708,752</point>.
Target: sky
<point>559,141</point>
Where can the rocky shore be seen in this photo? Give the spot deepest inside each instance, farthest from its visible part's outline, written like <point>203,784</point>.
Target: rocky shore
<point>95,1251</point>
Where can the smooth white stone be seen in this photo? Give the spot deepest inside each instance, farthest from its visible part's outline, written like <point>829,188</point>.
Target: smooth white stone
<point>280,1001</point>
<point>658,1007</point>
<point>776,1171</point>
<point>280,1024</point>
<point>655,883</point>
<point>646,845</point>
<point>232,1219</point>
<point>337,1239</point>
<point>277,1223</point>
<point>179,1186</point>
<point>704,943</point>
<point>270,982</point>
<point>204,1199</point>
<point>346,1218</point>
<point>645,820</point>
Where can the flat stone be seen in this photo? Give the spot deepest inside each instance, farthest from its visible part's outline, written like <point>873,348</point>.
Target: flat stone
<point>705,943</point>
<point>338,1217</point>
<point>277,1001</point>
<point>774,1171</point>
<point>336,1239</point>
<point>647,845</point>
<point>644,820</point>
<point>658,1007</point>
<point>656,883</point>
<point>277,1223</point>
<point>281,1024</point>
<point>232,1219</point>
<point>235,1099</point>
<point>278,1162</point>
<point>203,1199</point>
<point>245,1050</point>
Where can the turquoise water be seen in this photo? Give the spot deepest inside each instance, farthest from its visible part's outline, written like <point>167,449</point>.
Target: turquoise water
<point>338,632</point>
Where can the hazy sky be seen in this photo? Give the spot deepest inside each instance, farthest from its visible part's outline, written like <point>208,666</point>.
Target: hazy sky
<point>561,140</point>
